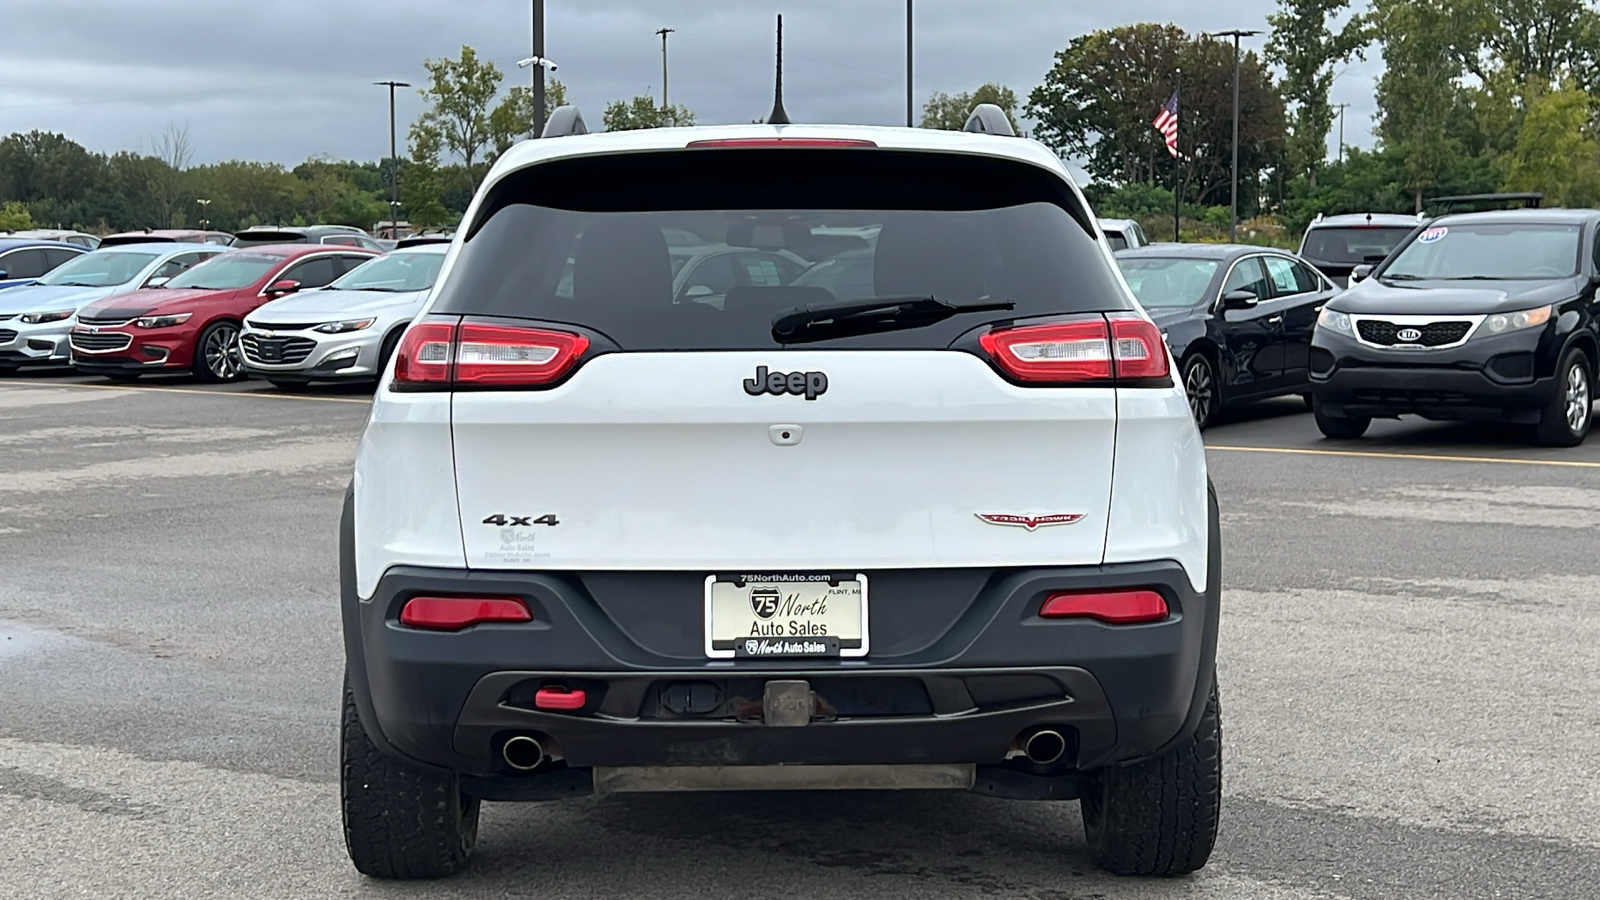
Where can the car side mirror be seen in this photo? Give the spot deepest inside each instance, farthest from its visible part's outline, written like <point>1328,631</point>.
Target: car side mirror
<point>698,291</point>
<point>280,288</point>
<point>1239,300</point>
<point>1359,273</point>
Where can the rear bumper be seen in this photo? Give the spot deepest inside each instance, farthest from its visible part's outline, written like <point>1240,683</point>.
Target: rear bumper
<point>449,700</point>
<point>1486,379</point>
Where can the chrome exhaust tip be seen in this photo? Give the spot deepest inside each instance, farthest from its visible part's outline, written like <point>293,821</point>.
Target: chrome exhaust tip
<point>523,753</point>
<point>1044,746</point>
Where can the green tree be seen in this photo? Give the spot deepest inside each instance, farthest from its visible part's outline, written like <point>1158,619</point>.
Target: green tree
<point>642,112</point>
<point>1556,152</point>
<point>14,216</point>
<point>512,119</point>
<point>459,95</point>
<point>949,112</point>
<point>1420,92</point>
<point>1307,48</point>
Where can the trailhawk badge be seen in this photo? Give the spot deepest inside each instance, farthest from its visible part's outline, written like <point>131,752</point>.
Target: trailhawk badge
<point>1032,523</point>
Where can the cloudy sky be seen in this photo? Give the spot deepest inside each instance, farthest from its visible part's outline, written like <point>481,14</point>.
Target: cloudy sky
<point>290,79</point>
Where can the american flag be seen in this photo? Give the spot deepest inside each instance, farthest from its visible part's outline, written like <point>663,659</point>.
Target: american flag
<point>1167,123</point>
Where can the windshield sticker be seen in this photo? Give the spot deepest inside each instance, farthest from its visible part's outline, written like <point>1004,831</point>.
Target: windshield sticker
<point>1432,235</point>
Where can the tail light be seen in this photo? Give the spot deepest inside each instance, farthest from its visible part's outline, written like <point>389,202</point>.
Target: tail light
<point>1091,349</point>
<point>456,613</point>
<point>1123,607</point>
<point>440,355</point>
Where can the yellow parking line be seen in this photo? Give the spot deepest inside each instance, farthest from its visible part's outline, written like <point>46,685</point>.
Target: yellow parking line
<point>137,389</point>
<point>1570,463</point>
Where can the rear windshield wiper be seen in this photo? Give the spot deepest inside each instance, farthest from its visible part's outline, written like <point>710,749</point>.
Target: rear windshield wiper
<point>846,318</point>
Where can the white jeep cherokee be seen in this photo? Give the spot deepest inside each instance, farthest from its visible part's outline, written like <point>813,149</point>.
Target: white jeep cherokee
<point>948,527</point>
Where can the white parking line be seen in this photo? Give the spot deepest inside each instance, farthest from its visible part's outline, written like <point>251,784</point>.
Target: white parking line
<point>1373,454</point>
<point>175,390</point>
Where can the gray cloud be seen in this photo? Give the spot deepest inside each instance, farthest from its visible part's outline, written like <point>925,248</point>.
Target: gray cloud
<point>291,79</point>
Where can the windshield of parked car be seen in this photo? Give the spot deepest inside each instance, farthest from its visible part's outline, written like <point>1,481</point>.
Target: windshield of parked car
<point>587,242</point>
<point>1353,245</point>
<point>1496,251</point>
<point>397,273</point>
<point>1168,281</point>
<point>226,272</point>
<point>99,269</point>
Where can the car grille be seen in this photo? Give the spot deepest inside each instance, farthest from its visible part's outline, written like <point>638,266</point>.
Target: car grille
<point>7,335</point>
<point>276,351</point>
<point>8,317</point>
<point>100,343</point>
<point>279,326</point>
<point>1434,334</point>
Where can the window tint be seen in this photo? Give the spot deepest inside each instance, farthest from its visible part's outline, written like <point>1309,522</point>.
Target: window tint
<point>348,263</point>
<point>1247,276</point>
<point>30,263</point>
<point>962,228</point>
<point>1288,277</point>
<point>714,272</point>
<point>313,273</point>
<point>56,257</point>
<point>1116,240</point>
<point>1352,246</point>
<point>343,240</point>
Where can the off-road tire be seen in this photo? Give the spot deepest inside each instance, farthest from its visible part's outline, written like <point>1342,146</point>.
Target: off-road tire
<point>1342,428</point>
<point>400,821</point>
<point>1555,427</point>
<point>1159,817</point>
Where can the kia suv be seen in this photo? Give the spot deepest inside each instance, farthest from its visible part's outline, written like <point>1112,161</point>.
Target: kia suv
<point>953,535</point>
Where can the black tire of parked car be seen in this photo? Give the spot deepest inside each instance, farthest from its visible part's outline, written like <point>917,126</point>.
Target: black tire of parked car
<point>1200,386</point>
<point>1160,816</point>
<point>1339,427</point>
<point>1310,403</point>
<point>386,350</point>
<point>9,370</point>
<point>216,354</point>
<point>1566,419</point>
<point>400,821</point>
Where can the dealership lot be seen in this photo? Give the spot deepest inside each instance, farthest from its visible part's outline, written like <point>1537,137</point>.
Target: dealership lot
<point>1408,652</point>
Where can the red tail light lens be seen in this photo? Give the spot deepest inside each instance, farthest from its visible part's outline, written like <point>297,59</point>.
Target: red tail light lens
<point>1126,607</point>
<point>440,355</point>
<point>1138,348</point>
<point>501,355</point>
<point>1059,353</point>
<point>456,613</point>
<point>794,142</point>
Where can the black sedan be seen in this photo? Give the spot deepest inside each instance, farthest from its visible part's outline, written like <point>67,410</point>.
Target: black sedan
<point>1478,316</point>
<point>1238,319</point>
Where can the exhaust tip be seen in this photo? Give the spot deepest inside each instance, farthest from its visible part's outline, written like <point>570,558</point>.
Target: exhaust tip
<point>523,753</point>
<point>1044,746</point>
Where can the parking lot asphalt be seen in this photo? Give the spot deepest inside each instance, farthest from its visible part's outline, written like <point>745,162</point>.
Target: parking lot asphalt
<point>1410,649</point>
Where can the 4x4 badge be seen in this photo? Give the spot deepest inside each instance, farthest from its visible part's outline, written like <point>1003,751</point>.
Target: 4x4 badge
<point>1032,523</point>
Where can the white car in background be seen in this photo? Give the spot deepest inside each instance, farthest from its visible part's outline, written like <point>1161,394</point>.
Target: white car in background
<point>345,331</point>
<point>36,319</point>
<point>1123,234</point>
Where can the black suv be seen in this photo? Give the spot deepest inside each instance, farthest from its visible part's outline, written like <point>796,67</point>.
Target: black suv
<point>1478,316</point>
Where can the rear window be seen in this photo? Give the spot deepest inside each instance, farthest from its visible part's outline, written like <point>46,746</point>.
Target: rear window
<point>1352,246</point>
<point>261,238</point>
<point>702,249</point>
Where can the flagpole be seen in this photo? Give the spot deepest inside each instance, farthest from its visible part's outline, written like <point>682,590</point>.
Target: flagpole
<point>1177,169</point>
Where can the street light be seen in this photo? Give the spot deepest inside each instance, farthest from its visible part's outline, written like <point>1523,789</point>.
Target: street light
<point>203,220</point>
<point>394,161</point>
<point>1233,220</point>
<point>540,63</point>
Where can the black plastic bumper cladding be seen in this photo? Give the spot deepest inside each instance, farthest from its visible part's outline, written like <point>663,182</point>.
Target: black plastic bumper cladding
<point>960,692</point>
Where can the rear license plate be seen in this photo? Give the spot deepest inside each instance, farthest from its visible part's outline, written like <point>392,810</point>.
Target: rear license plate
<point>786,615</point>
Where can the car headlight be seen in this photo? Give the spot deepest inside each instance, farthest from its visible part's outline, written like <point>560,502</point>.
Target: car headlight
<point>1335,321</point>
<point>1500,323</point>
<point>162,321</point>
<point>342,327</point>
<point>36,318</point>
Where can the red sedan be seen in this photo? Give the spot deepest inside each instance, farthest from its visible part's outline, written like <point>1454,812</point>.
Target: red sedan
<point>192,322</point>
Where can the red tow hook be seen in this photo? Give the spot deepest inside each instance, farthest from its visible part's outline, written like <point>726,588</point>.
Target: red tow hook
<point>559,698</point>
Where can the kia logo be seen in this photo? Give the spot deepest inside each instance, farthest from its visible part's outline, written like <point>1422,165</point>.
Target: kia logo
<point>1408,334</point>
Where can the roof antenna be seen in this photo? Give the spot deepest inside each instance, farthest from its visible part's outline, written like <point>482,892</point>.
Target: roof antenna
<point>778,116</point>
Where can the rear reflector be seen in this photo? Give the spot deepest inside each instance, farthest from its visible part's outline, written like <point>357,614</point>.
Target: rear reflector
<point>1060,353</point>
<point>456,613</point>
<point>793,143</point>
<point>1114,607</point>
<point>441,355</point>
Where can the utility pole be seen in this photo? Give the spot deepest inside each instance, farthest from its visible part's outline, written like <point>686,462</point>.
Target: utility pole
<point>1341,107</point>
<point>538,70</point>
<point>664,32</point>
<point>1177,169</point>
<point>394,158</point>
<point>1233,221</point>
<point>911,115</point>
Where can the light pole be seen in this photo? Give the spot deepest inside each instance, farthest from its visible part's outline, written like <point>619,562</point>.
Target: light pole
<point>911,121</point>
<point>203,220</point>
<point>1233,220</point>
<point>394,160</point>
<point>664,32</point>
<point>1341,107</point>
<point>538,71</point>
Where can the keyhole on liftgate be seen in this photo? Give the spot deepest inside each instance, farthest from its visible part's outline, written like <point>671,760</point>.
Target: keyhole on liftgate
<point>785,435</point>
